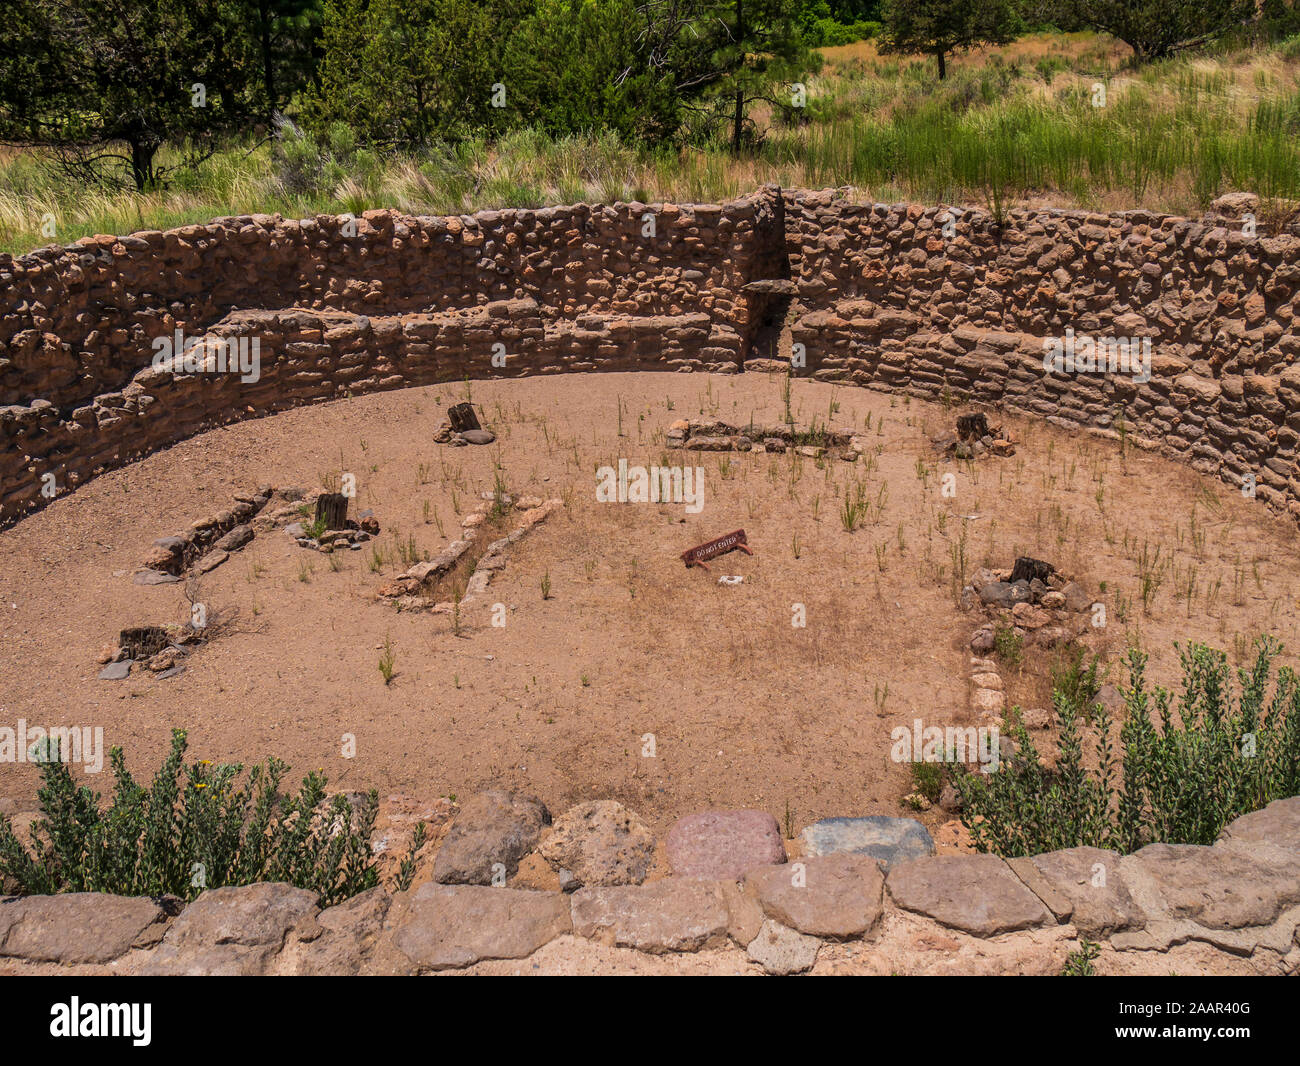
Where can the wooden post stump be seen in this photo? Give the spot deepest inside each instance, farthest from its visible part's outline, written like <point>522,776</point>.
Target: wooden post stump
<point>333,507</point>
<point>972,426</point>
<point>1028,568</point>
<point>143,642</point>
<point>462,417</point>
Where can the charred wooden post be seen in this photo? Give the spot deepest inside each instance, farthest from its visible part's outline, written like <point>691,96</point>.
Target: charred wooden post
<point>972,426</point>
<point>143,642</point>
<point>462,417</point>
<point>333,508</point>
<point>1029,569</point>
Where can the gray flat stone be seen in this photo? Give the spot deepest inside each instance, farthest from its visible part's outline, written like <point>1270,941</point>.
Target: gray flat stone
<point>235,539</point>
<point>781,951</point>
<point>977,894</point>
<point>154,577</point>
<point>720,844</point>
<point>212,560</point>
<point>76,927</point>
<point>478,436</point>
<point>116,671</point>
<point>453,926</point>
<point>834,895</point>
<point>891,840</point>
<point>670,915</point>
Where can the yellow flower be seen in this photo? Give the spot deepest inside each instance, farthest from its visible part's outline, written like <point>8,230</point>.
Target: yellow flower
<point>200,784</point>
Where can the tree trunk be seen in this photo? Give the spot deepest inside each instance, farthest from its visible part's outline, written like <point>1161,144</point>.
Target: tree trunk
<point>333,507</point>
<point>268,62</point>
<point>738,114</point>
<point>943,67</point>
<point>142,165</point>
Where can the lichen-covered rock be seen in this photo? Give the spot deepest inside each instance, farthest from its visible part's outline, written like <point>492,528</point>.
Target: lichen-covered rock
<point>600,843</point>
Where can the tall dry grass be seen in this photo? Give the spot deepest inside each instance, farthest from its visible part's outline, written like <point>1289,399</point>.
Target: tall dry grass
<point>1009,125</point>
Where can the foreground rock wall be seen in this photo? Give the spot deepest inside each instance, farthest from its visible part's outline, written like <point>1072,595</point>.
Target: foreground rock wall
<point>922,300</point>
<point>1230,908</point>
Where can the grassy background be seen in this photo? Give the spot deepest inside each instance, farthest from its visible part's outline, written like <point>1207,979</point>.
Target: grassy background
<point>1009,125</point>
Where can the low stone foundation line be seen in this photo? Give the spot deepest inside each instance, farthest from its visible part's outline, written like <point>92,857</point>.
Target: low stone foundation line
<point>872,295</point>
<point>867,896</point>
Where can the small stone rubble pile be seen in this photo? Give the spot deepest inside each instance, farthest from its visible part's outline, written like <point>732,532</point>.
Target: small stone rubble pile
<point>812,442</point>
<point>462,428</point>
<point>159,649</point>
<point>975,438</point>
<point>500,886</point>
<point>1036,603</point>
<point>412,590</point>
<point>1042,605</point>
<point>206,544</point>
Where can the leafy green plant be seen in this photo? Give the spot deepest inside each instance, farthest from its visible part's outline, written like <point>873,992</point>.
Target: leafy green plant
<point>195,827</point>
<point>927,779</point>
<point>1008,645</point>
<point>1079,963</point>
<point>313,529</point>
<point>1078,684</point>
<point>1179,776</point>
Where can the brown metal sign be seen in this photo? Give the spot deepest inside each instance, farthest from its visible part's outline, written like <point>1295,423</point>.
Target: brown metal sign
<point>696,556</point>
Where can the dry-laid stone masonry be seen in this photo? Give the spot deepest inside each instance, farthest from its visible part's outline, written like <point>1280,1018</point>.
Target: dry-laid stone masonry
<point>1233,907</point>
<point>872,294</point>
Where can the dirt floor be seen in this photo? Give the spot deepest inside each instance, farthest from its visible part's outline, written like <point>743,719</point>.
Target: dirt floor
<point>745,709</point>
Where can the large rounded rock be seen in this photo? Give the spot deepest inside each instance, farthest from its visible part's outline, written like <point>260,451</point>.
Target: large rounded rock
<point>493,829</point>
<point>977,894</point>
<point>720,845</point>
<point>600,843</point>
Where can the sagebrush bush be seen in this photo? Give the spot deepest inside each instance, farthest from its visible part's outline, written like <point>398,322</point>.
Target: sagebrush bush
<point>1179,776</point>
<point>193,828</point>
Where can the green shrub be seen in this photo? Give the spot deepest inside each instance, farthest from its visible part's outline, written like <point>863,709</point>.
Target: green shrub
<point>1181,776</point>
<point>927,779</point>
<point>193,828</point>
<point>1008,645</point>
<point>1078,684</point>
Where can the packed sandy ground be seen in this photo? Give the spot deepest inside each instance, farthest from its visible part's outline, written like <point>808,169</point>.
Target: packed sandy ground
<point>745,709</point>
